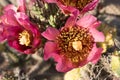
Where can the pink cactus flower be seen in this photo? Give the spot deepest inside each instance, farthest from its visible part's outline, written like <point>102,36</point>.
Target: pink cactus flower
<point>18,30</point>
<point>74,45</point>
<point>69,6</point>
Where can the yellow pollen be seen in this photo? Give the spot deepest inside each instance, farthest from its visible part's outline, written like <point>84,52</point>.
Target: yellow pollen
<point>80,4</point>
<point>24,38</point>
<point>77,45</point>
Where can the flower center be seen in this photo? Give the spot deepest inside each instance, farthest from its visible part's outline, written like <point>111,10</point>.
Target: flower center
<point>75,43</point>
<point>24,38</point>
<point>80,4</point>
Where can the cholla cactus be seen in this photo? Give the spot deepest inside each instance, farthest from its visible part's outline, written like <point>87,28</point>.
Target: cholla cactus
<point>46,14</point>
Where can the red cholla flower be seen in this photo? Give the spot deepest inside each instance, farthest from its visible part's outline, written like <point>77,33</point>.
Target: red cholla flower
<point>18,30</point>
<point>69,6</point>
<point>74,45</point>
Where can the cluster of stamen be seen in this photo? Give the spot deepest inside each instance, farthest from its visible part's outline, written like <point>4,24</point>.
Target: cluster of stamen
<point>75,43</point>
<point>80,4</point>
<point>24,38</point>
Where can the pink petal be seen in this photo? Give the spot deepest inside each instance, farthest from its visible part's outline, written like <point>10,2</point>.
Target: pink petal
<point>95,54</point>
<point>86,21</point>
<point>20,15</point>
<point>24,21</point>
<point>71,20</point>
<point>90,6</point>
<point>98,36</point>
<point>96,24</point>
<point>21,4</point>
<point>51,1</point>
<point>21,48</point>
<point>9,19</point>
<point>63,65</point>
<point>14,44</point>
<point>66,9</point>
<point>37,41</point>
<point>8,7</point>
<point>49,50</point>
<point>28,51</point>
<point>50,33</point>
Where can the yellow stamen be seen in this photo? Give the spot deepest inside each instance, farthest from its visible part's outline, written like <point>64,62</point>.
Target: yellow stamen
<point>80,4</point>
<point>24,38</point>
<point>75,43</point>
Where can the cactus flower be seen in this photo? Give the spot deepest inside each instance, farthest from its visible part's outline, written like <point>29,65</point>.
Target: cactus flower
<point>69,6</point>
<point>20,33</point>
<point>74,45</point>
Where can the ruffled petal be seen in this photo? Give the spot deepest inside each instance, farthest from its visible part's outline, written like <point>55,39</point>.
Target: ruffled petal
<point>86,21</point>
<point>95,54</point>
<point>21,48</point>
<point>50,33</point>
<point>49,50</point>
<point>13,31</point>
<point>24,21</point>
<point>90,6</point>
<point>21,5</point>
<point>14,43</point>
<point>96,24</point>
<point>63,65</point>
<point>72,20</point>
<point>98,36</point>
<point>8,7</point>
<point>20,15</point>
<point>66,9</point>
<point>9,19</point>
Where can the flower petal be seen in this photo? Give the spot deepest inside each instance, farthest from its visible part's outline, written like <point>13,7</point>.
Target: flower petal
<point>21,4</point>
<point>50,33</point>
<point>90,6</point>
<point>24,21</point>
<point>86,21</point>
<point>96,24</point>
<point>9,19</point>
<point>13,31</point>
<point>98,36</point>
<point>66,9</point>
<point>8,7</point>
<point>49,50</point>
<point>20,15</point>
<point>71,20</point>
<point>63,65</point>
<point>21,48</point>
<point>51,1</point>
<point>95,54</point>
